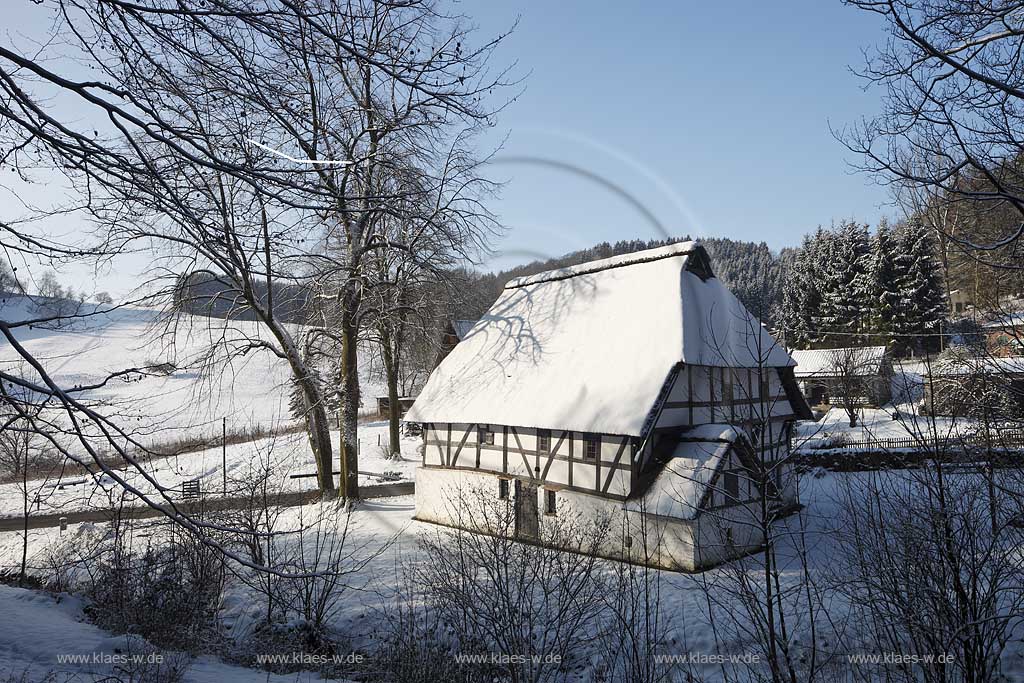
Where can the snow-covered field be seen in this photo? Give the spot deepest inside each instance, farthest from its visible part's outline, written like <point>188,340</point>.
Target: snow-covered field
<point>252,389</point>
<point>252,392</point>
<point>873,424</point>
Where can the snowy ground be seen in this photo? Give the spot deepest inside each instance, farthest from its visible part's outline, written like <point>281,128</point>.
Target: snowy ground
<point>873,424</point>
<point>382,530</point>
<point>285,456</point>
<point>359,610</point>
<point>50,628</point>
<point>900,419</point>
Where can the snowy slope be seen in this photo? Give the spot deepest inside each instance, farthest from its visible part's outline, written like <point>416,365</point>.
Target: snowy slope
<point>252,390</point>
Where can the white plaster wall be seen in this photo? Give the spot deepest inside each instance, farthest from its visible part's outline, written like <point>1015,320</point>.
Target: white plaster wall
<point>659,542</point>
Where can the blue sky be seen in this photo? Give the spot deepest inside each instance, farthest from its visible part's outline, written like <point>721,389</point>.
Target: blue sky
<point>715,116</point>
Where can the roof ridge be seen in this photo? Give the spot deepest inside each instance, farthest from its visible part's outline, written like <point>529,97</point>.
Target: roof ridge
<point>610,263</point>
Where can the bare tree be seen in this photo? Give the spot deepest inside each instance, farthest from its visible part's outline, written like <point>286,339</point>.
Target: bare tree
<point>262,135</point>
<point>153,66</point>
<point>8,282</point>
<point>409,288</point>
<point>950,130</point>
<point>927,575</point>
<point>20,458</point>
<point>635,615</point>
<point>854,379</point>
<point>530,605</point>
<point>260,530</point>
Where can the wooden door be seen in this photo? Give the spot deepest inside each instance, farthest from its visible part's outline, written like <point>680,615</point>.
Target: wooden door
<point>527,512</point>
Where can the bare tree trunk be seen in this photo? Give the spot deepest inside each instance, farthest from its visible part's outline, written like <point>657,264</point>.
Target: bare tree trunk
<point>391,375</point>
<point>315,413</point>
<point>350,395</point>
<point>24,535</point>
<point>318,429</point>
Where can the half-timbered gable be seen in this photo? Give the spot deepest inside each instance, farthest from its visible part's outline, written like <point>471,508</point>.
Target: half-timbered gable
<point>613,386</point>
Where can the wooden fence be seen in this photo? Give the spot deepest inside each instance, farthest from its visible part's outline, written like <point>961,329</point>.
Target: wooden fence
<point>1003,439</point>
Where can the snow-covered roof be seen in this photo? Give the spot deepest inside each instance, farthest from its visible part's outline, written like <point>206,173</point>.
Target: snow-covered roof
<point>946,367</point>
<point>588,348</point>
<point>862,361</point>
<point>462,327</point>
<point>679,488</point>
<point>1006,321</point>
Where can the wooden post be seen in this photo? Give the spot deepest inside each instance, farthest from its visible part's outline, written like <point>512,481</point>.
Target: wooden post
<point>224,452</point>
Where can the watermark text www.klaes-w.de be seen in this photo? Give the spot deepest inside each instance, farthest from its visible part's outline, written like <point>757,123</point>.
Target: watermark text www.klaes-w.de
<point>113,659</point>
<point>899,658</point>
<point>707,658</point>
<point>505,659</point>
<point>308,659</point>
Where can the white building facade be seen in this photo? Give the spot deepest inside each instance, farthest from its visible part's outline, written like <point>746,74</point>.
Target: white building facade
<point>635,390</point>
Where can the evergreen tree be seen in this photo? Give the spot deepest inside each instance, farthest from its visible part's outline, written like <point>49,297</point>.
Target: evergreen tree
<point>802,293</point>
<point>884,271</point>
<point>845,258</point>
<point>919,298</point>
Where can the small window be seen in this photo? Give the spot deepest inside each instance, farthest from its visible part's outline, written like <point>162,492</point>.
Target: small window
<point>732,486</point>
<point>728,536</point>
<point>486,435</point>
<point>544,440</point>
<point>591,447</point>
<point>549,502</point>
<point>503,489</point>
<point>765,389</point>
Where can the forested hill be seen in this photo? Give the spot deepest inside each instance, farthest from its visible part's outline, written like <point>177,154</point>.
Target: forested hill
<point>750,269</point>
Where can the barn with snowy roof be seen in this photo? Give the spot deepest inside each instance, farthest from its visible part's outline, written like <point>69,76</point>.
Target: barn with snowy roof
<point>635,389</point>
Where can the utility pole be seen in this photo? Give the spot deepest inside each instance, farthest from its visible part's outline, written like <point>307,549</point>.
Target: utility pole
<point>224,452</point>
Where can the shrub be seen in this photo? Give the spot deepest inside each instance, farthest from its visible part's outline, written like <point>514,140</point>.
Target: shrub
<point>169,595</point>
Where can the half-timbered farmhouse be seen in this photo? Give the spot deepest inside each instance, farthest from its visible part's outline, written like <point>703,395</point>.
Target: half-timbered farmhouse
<point>636,388</point>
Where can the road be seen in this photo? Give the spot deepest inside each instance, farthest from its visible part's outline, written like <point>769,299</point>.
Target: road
<point>290,499</point>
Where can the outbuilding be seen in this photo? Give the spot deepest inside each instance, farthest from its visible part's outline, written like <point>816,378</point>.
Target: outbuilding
<point>862,374</point>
